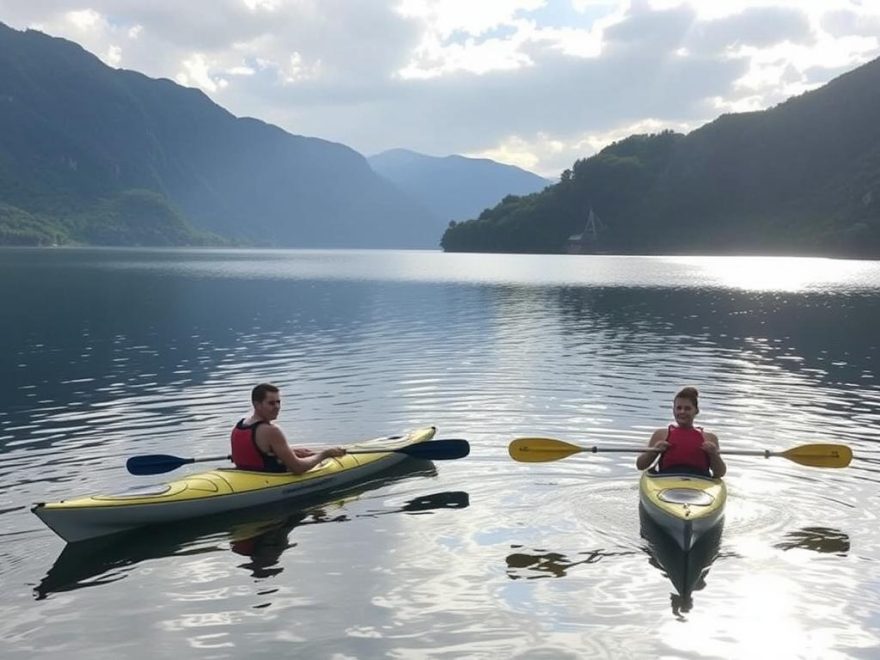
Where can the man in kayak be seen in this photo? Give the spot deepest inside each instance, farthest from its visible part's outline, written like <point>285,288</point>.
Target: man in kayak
<point>257,444</point>
<point>683,447</point>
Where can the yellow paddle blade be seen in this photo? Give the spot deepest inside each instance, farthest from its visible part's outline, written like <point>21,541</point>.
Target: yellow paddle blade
<point>541,450</point>
<point>818,455</point>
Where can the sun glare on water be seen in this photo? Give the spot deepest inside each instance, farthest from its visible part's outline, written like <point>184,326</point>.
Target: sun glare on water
<point>790,274</point>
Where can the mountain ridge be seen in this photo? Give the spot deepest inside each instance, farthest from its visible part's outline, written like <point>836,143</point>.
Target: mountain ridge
<point>454,187</point>
<point>75,132</point>
<point>802,177</point>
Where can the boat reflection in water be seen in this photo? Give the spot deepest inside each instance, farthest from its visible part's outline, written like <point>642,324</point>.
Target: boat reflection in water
<point>261,534</point>
<point>817,539</point>
<point>545,564</point>
<point>263,543</point>
<point>686,570</point>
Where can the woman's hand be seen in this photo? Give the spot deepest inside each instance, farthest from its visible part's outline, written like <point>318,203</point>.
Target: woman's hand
<point>656,446</point>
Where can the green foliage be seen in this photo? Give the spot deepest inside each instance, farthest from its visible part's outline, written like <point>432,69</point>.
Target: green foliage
<point>18,227</point>
<point>133,217</point>
<point>614,182</point>
<point>73,167</point>
<point>136,217</point>
<point>800,178</point>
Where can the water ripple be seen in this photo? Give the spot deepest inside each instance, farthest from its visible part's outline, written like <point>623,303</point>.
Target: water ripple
<point>481,557</point>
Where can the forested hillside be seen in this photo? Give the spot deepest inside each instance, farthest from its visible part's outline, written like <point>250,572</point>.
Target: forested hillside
<point>800,178</point>
<point>81,144</point>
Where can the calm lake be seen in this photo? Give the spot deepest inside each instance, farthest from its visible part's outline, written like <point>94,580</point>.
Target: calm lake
<point>113,353</point>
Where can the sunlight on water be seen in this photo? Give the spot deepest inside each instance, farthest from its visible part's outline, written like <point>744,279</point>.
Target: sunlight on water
<point>114,353</point>
<point>789,274</point>
<point>784,274</point>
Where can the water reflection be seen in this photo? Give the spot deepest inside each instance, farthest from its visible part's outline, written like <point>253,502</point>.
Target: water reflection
<point>686,570</point>
<point>455,499</point>
<point>260,535</point>
<point>119,352</point>
<point>819,334</point>
<point>264,542</point>
<point>817,539</point>
<point>541,563</point>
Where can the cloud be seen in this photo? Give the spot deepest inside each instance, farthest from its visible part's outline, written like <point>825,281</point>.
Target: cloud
<point>845,23</point>
<point>444,19</point>
<point>539,82</point>
<point>555,98</point>
<point>759,27</point>
<point>651,31</point>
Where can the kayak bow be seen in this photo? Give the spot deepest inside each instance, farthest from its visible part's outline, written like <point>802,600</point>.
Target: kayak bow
<point>685,506</point>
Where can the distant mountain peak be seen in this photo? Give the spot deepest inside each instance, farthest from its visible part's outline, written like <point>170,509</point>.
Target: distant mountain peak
<point>83,136</point>
<point>454,187</point>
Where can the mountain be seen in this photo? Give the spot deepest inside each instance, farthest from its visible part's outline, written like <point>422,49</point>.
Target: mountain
<point>82,143</point>
<point>800,178</point>
<point>454,187</point>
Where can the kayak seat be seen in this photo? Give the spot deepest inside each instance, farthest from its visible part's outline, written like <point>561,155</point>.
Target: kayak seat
<point>692,496</point>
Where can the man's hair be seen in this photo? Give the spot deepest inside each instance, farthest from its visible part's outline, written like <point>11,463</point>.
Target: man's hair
<point>260,391</point>
<point>691,394</point>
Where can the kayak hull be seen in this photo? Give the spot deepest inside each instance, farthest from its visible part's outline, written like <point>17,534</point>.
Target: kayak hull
<point>686,507</point>
<point>216,491</point>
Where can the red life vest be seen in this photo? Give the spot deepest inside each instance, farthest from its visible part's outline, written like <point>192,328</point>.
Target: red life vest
<point>685,451</point>
<point>247,455</point>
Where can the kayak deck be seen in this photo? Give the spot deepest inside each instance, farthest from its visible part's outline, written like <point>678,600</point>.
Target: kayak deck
<point>685,506</point>
<point>215,491</point>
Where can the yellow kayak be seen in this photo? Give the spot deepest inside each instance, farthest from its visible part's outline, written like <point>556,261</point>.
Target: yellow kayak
<point>217,491</point>
<point>685,506</point>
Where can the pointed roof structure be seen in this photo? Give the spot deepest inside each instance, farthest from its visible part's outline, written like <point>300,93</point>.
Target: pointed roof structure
<point>593,227</point>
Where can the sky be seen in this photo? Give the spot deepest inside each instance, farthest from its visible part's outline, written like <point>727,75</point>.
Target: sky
<point>533,83</point>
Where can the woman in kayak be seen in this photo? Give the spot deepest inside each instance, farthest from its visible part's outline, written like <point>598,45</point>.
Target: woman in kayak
<point>257,444</point>
<point>683,447</point>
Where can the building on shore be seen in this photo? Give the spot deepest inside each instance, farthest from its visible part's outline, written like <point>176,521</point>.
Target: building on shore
<point>587,241</point>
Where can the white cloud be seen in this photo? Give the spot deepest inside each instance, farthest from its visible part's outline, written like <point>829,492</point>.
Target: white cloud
<point>85,19</point>
<point>197,73</point>
<point>297,69</point>
<point>267,5</point>
<point>443,18</point>
<point>527,154</point>
<point>241,71</point>
<point>113,56</point>
<point>434,58</point>
<point>845,22</point>
<point>538,83</point>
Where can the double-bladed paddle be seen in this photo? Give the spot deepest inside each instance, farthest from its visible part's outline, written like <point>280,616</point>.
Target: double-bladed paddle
<point>541,450</point>
<point>433,450</point>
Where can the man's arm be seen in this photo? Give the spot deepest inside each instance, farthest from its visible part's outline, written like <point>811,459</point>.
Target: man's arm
<point>294,463</point>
